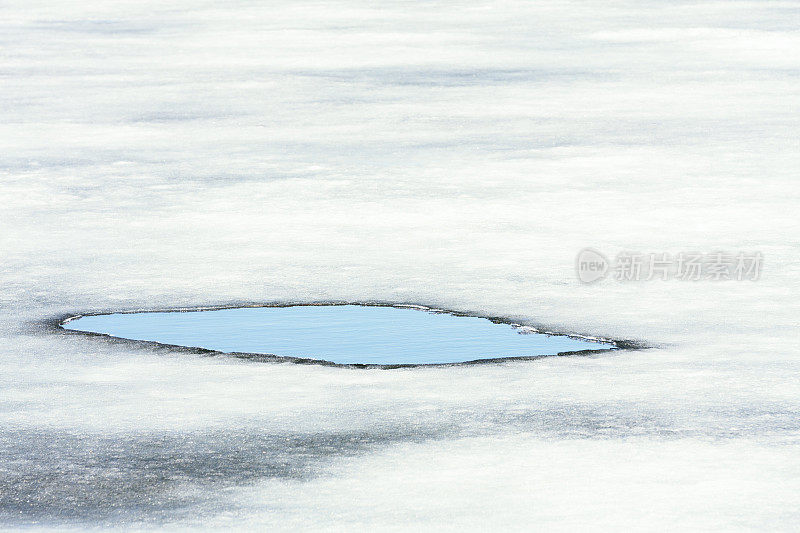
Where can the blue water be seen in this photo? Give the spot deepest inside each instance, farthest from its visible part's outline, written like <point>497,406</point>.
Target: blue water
<point>344,334</point>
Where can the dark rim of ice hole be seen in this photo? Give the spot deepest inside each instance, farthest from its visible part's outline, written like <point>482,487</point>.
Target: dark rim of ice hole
<point>616,344</point>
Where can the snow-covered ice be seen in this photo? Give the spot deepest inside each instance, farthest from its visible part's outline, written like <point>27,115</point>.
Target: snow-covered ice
<point>451,154</point>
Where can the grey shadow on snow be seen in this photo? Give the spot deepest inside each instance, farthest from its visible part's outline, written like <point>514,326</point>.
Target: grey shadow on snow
<point>57,478</point>
<point>68,478</point>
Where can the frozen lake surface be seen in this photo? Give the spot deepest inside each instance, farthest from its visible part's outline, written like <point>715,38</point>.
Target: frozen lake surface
<point>342,334</point>
<point>158,155</point>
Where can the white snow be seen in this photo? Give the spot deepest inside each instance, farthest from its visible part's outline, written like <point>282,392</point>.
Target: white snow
<point>456,155</point>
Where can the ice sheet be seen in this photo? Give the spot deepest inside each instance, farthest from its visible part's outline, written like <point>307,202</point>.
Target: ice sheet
<point>456,155</point>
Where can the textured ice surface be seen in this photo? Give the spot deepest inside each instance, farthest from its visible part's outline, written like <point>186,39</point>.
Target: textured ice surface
<point>342,334</point>
<point>451,154</point>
